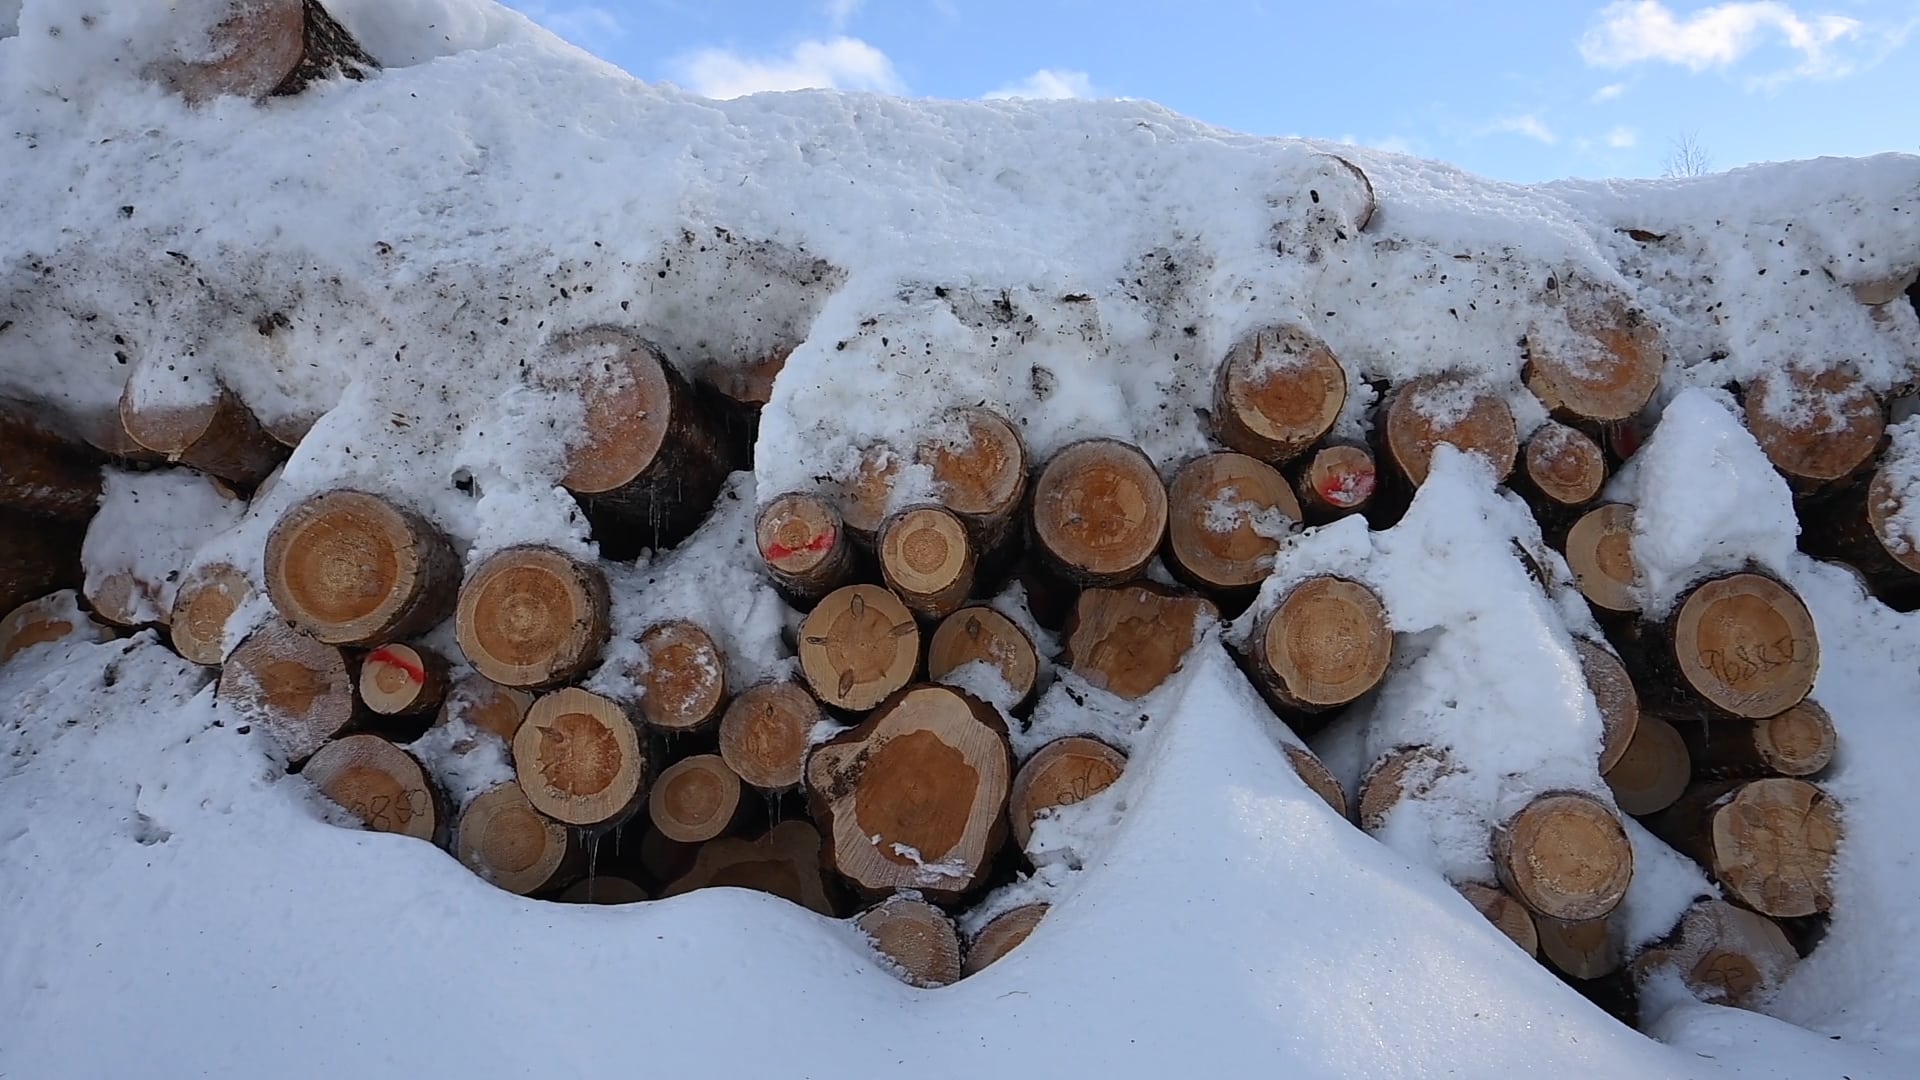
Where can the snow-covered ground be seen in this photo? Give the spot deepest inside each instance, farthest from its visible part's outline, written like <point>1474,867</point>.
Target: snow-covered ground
<point>390,257</point>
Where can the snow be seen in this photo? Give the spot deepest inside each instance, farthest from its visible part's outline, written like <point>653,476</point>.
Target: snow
<point>150,525</point>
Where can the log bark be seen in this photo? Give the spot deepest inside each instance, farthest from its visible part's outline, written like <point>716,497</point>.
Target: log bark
<point>1564,855</point>
<point>1599,551</point>
<point>203,608</point>
<point>502,838</point>
<point>1585,949</point>
<point>1742,644</point>
<point>1061,773</point>
<point>1508,915</point>
<point>1325,644</point>
<point>766,733</point>
<point>1278,392</point>
<point>1653,772</point>
<point>1336,481</point>
<point>1226,515</point>
<point>404,680</point>
<point>1315,774</point>
<point>45,475</point>
<point>804,546</point>
<point>602,890</point>
<point>1130,640</point>
<point>380,784</point>
<point>928,559</point>
<point>328,51</point>
<point>1099,512</point>
<point>579,759</point>
<point>1561,469</point>
<point>979,634</point>
<point>915,797</point>
<point>1798,743</point>
<point>486,706</point>
<point>297,689</point>
<point>786,862</point>
<point>1724,954</point>
<point>1862,525</point>
<point>684,683</point>
<point>52,618</point>
<point>1613,695</point>
<point>858,646</point>
<point>1450,409</point>
<point>533,617</point>
<point>916,939</point>
<point>1770,843</point>
<point>1603,367</point>
<point>1406,773</point>
<point>696,799</point>
<point>981,475</point>
<point>1817,429</point>
<point>1006,932</point>
<point>354,569</point>
<point>268,48</point>
<point>218,437</point>
<point>36,558</point>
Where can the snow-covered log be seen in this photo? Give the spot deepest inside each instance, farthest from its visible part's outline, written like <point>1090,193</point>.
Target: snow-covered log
<point>1131,639</point>
<point>352,568</point>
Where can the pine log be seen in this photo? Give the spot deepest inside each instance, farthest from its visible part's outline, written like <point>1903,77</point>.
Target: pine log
<point>667,861</point>
<point>52,618</point>
<point>1604,368</point>
<point>1336,481</point>
<point>786,862</point>
<point>1599,550</point>
<point>1510,916</point>
<point>804,546</point>
<point>1560,468</point>
<point>1006,932</point>
<point>866,497</point>
<point>328,50</point>
<point>404,680</point>
<point>684,683</point>
<point>1583,949</point>
<point>859,645</point>
<point>751,384</point>
<point>253,50</point>
<point>927,558</point>
<point>296,688</point>
<point>981,476</point>
<point>1724,954</point>
<point>1450,409</point>
<point>1406,773</point>
<point>486,706</point>
<point>1326,643</point>
<point>1613,695</point>
<point>915,797</point>
<point>916,939</point>
<point>1653,772</point>
<point>354,569</point>
<point>1743,644</point>
<point>1061,773</point>
<point>1817,429</point>
<point>696,799</point>
<point>580,760</point>
<point>602,890</point>
<point>979,634</point>
<point>1769,843</point>
<point>1799,742</point>
<point>1887,289</point>
<point>1864,526</point>
<point>1278,392</point>
<point>1315,774</point>
<point>1226,515</point>
<point>120,598</point>
<point>36,558</point>
<point>379,783</point>
<point>218,437</point>
<point>1130,640</point>
<point>1564,855</point>
<point>502,838</point>
<point>203,607</point>
<point>1099,512</point>
<point>532,616</point>
<point>43,474</point>
<point>765,735</point>
<point>652,461</point>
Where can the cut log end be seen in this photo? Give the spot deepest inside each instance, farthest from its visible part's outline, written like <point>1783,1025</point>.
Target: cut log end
<point>1099,512</point>
<point>532,616</point>
<point>1130,640</point>
<point>1654,770</point>
<point>1746,643</point>
<point>202,607</point>
<point>1338,480</point>
<point>502,838</point>
<point>1585,949</point>
<point>253,50</point>
<point>784,863</point>
<point>927,558</point>
<point>377,782</point>
<point>1508,915</point>
<point>403,680</point>
<point>1447,409</point>
<point>695,800</point>
<point>123,600</point>
<point>353,569</point>
<point>1278,392</point>
<point>1799,742</point>
<point>917,940</point>
<point>579,759</point>
<point>684,686</point>
<point>804,546</point>
<point>1315,774</point>
<point>1326,643</point>
<point>1818,428</point>
<point>296,688</point>
<point>629,395</point>
<point>1005,933</point>
<point>981,475</point>
<point>487,706</point>
<point>1599,550</point>
<point>1409,772</point>
<point>979,634</point>
<point>1724,954</point>
<point>53,618</point>
<point>1565,856</point>
<point>1885,503</point>
<point>867,496</point>
<point>765,734</point>
<point>1605,366</point>
<point>1226,516</point>
<point>1773,843</point>
<point>1061,773</point>
<point>1563,465</point>
<point>859,645</point>
<point>1613,695</point>
<point>217,436</point>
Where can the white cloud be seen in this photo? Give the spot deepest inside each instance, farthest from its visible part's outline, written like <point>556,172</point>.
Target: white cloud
<point>1050,84</point>
<point>1525,124</point>
<point>581,24</point>
<point>841,63</point>
<point>1608,92</point>
<point>839,12</point>
<point>1621,138</point>
<point>1637,31</point>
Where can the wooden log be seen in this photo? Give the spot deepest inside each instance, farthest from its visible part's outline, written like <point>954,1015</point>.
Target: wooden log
<point>667,861</point>
<point>354,569</point>
<point>531,616</point>
<point>328,51</point>
<point>252,50</point>
<point>1584,949</point>
<point>1099,512</point>
<point>404,680</point>
<point>1315,774</point>
<point>1564,855</point>
<point>1561,468</point>
<point>696,799</point>
<point>866,497</point>
<point>859,645</point>
<point>297,689</point>
<point>1654,771</point>
<point>1769,843</point>
<point>1613,695</point>
<point>1006,932</point>
<point>43,474</point>
<point>1724,954</point>
<point>379,783</point>
<point>915,797</point>
<point>203,608</point>
<point>1130,640</point>
<point>1061,773</point>
<point>1864,526</point>
<point>124,600</point>
<point>1226,515</point>
<point>1603,367</point>
<point>1278,392</point>
<point>1405,773</point>
<point>502,838</point>
<point>980,476</point>
<point>927,558</point>
<point>684,683</point>
<point>1449,409</point>
<point>602,890</point>
<point>1326,643</point>
<point>218,437</point>
<point>52,618</point>
<point>786,862</point>
<point>1599,551</point>
<point>1336,481</point>
<point>36,558</point>
<point>486,706</point>
<point>979,634</point>
<point>579,759</point>
<point>1743,644</point>
<point>804,546</point>
<point>751,384</point>
<point>1887,289</point>
<point>1508,915</point>
<point>916,939</point>
<point>765,735</point>
<point>1817,429</point>
<point>1799,742</point>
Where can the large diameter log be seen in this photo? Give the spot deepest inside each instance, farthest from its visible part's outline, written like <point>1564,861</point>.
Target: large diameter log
<point>299,690</point>
<point>1654,771</point>
<point>1336,481</point>
<point>579,759</point>
<point>1099,512</point>
<point>486,706</point>
<point>1130,640</point>
<point>915,797</point>
<point>1599,551</point>
<point>52,618</point>
<point>203,607</point>
<point>36,558</point>
<point>786,862</point>
<point>354,569</point>
<point>1005,933</point>
<point>502,838</point>
<point>1226,515</point>
<point>927,558</point>
<point>1724,954</point>
<point>1613,695</point>
<point>1816,428</point>
<point>45,475</point>
<point>1448,409</point>
<point>1561,468</point>
<point>1325,644</point>
<point>1743,643</point>
<point>1799,742</point>
<point>684,686</point>
<point>532,616</point>
<point>804,546</point>
<point>379,783</point>
<point>696,799</point>
<point>981,475</point>
<point>1584,949</point>
<point>1604,367</point>
<point>1061,773</point>
<point>1508,915</point>
<point>218,437</point>
<point>857,646</point>
<point>1769,843</point>
<point>1565,856</point>
<point>1278,392</point>
<point>916,939</point>
<point>403,680</point>
<point>978,634</point>
<point>1865,526</point>
<point>765,734</point>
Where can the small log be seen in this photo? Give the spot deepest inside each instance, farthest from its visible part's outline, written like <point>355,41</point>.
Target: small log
<point>1604,367</point>
<point>1061,773</point>
<point>1099,512</point>
<point>579,759</point>
<point>122,599</point>
<point>1561,468</point>
<point>1315,774</point>
<point>927,558</point>
<point>403,680</point>
<point>1278,392</point>
<point>52,618</point>
<point>1450,409</point>
<point>696,799</point>
<point>866,498</point>
<point>1226,515</point>
<point>1565,855</point>
<point>531,616</point>
<point>45,475</point>
<point>981,476</point>
<point>379,783</point>
<point>766,733</point>
<point>203,607</point>
<point>1743,643</point>
<point>1817,429</point>
<point>502,838</point>
<point>1130,640</point>
<point>1613,695</point>
<point>354,569</point>
<point>1599,551</point>
<point>1336,481</point>
<point>786,862</point>
<point>750,385</point>
<point>684,684</point>
<point>1864,525</point>
<point>487,706</point>
<point>1654,771</point>
<point>1769,843</point>
<point>218,437</point>
<point>916,939</point>
<point>1510,916</point>
<point>979,634</point>
<point>1006,932</point>
<point>36,558</point>
<point>1799,742</point>
<point>602,890</point>
<point>1724,954</point>
<point>1326,643</point>
<point>1584,949</point>
<point>859,645</point>
<point>1406,773</point>
<point>296,688</point>
<point>804,546</point>
<point>915,797</point>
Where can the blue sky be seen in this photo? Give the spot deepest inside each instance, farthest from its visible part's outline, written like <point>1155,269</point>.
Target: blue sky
<point>1519,91</point>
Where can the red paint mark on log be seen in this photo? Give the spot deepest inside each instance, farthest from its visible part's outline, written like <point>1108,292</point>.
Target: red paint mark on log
<point>1348,489</point>
<point>393,659</point>
<point>777,551</point>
